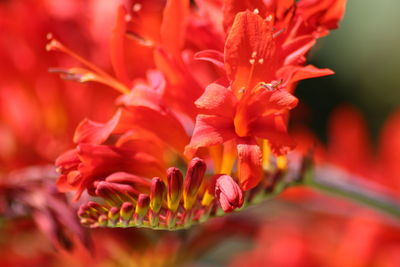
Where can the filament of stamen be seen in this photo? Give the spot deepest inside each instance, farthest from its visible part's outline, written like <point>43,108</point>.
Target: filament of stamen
<point>55,45</point>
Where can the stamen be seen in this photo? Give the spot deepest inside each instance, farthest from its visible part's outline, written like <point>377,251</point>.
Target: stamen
<point>266,155</point>
<point>55,45</point>
<point>141,40</point>
<point>254,54</point>
<point>278,33</point>
<point>269,18</point>
<point>252,61</point>
<point>261,61</point>
<point>256,11</point>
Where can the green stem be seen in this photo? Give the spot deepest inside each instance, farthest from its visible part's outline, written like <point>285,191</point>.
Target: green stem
<point>339,183</point>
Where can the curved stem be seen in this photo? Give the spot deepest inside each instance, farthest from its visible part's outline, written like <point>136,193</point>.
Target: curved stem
<point>338,183</point>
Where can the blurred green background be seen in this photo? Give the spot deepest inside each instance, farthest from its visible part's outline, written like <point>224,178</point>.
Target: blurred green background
<point>364,53</point>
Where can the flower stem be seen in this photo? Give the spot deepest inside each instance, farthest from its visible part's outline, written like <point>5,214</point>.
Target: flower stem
<point>338,183</point>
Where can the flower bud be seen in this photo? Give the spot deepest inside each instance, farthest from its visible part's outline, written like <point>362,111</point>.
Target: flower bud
<point>126,211</point>
<point>228,192</point>
<point>193,180</point>
<point>96,207</point>
<point>84,211</point>
<point>103,220</point>
<point>157,193</point>
<point>142,205</point>
<point>114,192</point>
<point>175,182</point>
<point>113,215</point>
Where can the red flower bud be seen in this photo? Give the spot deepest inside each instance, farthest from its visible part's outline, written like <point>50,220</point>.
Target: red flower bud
<point>113,215</point>
<point>175,182</point>
<point>228,192</point>
<point>126,211</point>
<point>142,205</point>
<point>193,180</point>
<point>157,193</point>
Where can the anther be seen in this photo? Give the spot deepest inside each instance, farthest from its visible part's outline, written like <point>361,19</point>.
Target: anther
<point>254,54</point>
<point>269,18</point>
<point>252,61</point>
<point>256,11</point>
<point>261,61</point>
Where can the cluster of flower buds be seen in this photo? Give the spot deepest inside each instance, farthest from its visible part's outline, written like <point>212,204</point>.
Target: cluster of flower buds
<point>175,203</point>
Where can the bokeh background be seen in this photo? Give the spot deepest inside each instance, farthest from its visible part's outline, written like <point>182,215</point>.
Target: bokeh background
<point>365,55</point>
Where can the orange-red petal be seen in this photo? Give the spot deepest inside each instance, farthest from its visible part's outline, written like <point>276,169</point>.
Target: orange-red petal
<point>173,26</point>
<point>249,162</point>
<point>232,7</point>
<point>217,100</point>
<point>210,130</point>
<point>93,132</point>
<point>117,47</point>
<point>247,50</point>
<point>273,128</point>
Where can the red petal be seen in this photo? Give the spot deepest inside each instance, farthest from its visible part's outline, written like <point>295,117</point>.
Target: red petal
<point>178,94</point>
<point>117,47</point>
<point>249,162</point>
<point>63,184</point>
<point>142,95</point>
<point>99,161</point>
<point>261,102</point>
<point>310,71</point>
<point>174,25</point>
<point>250,38</point>
<point>297,48</point>
<point>217,100</point>
<point>93,132</point>
<point>349,143</point>
<point>67,161</point>
<point>334,14</point>
<point>273,128</point>
<point>325,13</point>
<point>210,130</point>
<point>280,7</point>
<point>162,124</point>
<point>213,56</point>
<point>389,151</point>
<point>232,7</point>
<point>294,74</point>
<point>145,111</point>
<point>145,141</point>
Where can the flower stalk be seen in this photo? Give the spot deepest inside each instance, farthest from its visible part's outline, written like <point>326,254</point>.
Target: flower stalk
<point>338,183</point>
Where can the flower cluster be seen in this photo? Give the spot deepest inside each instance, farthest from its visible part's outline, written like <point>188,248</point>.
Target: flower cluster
<point>198,94</point>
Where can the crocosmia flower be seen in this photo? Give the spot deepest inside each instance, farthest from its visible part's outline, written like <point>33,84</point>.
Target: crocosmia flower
<point>211,100</point>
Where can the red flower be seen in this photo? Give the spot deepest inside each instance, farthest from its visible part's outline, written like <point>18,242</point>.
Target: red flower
<point>256,114</point>
<point>263,60</point>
